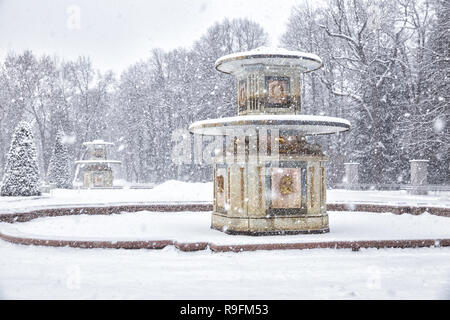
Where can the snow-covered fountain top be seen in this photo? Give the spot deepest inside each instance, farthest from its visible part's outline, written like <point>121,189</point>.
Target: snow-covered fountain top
<point>269,94</point>
<point>279,57</point>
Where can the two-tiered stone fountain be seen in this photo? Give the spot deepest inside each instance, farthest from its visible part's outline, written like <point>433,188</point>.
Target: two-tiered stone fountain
<point>268,179</point>
<point>97,171</point>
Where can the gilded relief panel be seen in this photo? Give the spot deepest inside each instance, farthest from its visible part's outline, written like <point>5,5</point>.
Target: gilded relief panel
<point>286,188</point>
<point>221,188</point>
<point>277,92</point>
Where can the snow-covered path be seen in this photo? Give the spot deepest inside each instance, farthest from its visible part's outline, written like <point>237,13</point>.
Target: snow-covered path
<point>66,273</point>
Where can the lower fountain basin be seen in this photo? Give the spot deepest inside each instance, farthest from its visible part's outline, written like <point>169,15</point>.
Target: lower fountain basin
<point>298,124</point>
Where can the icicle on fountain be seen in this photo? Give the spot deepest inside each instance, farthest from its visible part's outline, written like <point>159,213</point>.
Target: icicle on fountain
<point>97,172</point>
<point>267,178</point>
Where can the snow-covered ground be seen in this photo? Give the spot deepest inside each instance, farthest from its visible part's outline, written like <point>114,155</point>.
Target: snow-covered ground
<point>65,273</point>
<point>396,198</point>
<point>31,272</point>
<point>171,191</point>
<point>195,227</point>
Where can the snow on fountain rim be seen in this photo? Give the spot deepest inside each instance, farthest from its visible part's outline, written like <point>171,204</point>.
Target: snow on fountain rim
<point>98,161</point>
<point>97,142</point>
<point>306,124</point>
<point>269,55</point>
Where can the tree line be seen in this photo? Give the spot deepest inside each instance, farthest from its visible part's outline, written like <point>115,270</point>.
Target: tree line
<point>386,69</point>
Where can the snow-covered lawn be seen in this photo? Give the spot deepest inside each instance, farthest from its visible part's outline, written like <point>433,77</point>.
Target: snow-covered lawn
<point>195,227</point>
<point>171,191</point>
<point>65,273</point>
<point>31,272</point>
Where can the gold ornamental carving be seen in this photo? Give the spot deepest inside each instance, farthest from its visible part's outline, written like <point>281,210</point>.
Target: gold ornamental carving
<point>220,184</point>
<point>286,185</point>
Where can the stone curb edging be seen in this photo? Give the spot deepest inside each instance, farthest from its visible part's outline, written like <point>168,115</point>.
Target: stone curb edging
<point>197,246</point>
<point>54,212</point>
<point>86,244</point>
<point>354,245</point>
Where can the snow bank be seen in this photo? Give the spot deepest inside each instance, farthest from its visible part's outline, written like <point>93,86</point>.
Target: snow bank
<point>173,190</point>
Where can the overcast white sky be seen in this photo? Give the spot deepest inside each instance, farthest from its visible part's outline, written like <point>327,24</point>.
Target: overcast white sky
<point>117,33</point>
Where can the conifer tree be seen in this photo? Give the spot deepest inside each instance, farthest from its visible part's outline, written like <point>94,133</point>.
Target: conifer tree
<point>59,167</point>
<point>21,177</point>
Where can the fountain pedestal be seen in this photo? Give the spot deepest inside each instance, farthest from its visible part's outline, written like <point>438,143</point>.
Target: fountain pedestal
<point>271,195</point>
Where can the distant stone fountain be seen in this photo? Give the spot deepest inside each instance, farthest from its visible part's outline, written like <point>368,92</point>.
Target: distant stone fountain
<point>268,179</point>
<point>97,171</point>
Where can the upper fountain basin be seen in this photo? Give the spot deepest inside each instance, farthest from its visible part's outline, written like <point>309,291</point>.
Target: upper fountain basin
<point>235,62</point>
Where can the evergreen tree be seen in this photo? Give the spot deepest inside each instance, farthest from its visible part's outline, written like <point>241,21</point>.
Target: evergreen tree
<point>59,167</point>
<point>21,176</point>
